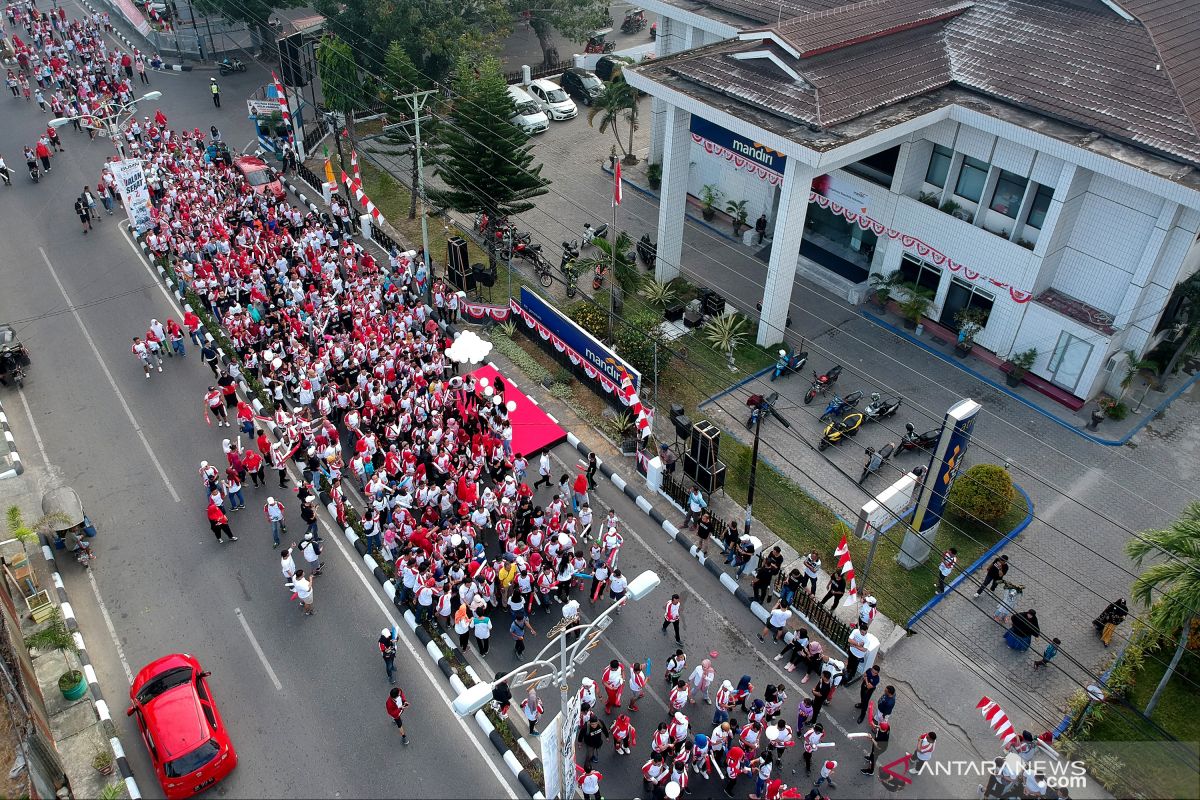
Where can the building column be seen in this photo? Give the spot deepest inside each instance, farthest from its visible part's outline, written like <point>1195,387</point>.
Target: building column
<point>785,251</point>
<point>672,199</point>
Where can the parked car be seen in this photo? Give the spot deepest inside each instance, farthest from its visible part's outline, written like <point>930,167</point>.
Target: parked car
<point>529,117</point>
<point>181,726</point>
<point>584,85</point>
<point>551,98</point>
<point>260,176</point>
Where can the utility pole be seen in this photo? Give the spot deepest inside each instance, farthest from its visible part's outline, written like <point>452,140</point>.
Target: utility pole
<point>416,104</point>
<point>764,406</point>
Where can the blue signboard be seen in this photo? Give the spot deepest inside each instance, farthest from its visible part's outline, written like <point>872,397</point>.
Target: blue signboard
<point>747,148</point>
<point>600,356</point>
<point>946,464</point>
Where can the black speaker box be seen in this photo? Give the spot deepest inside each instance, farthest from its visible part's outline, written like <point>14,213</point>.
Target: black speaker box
<point>710,479</point>
<point>294,68</point>
<point>457,257</point>
<point>683,426</point>
<point>705,443</point>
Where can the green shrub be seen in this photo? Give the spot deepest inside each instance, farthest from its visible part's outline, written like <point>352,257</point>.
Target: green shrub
<point>590,317</point>
<point>984,493</point>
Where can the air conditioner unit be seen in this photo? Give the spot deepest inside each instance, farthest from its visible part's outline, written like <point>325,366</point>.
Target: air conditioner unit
<point>1113,362</point>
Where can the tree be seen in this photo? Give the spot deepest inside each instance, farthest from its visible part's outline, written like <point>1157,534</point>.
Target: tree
<point>341,83</point>
<point>618,101</point>
<point>484,159</point>
<point>574,19</point>
<point>1175,578</point>
<point>256,14</point>
<point>727,333</point>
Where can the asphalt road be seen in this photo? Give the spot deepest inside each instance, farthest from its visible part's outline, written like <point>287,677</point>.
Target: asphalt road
<point>303,697</point>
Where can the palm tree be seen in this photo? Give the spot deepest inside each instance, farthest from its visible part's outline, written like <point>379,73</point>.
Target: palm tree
<point>618,101</point>
<point>727,333</point>
<point>1176,580</point>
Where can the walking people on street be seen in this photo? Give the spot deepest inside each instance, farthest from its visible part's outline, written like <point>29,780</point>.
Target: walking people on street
<point>870,682</point>
<point>924,752</point>
<point>881,734</point>
<point>671,615</point>
<point>1048,654</point>
<point>949,561</point>
<point>994,575</point>
<point>700,682</point>
<point>216,92</point>
<point>143,354</point>
<point>543,471</point>
<point>273,511</point>
<point>387,649</point>
<point>695,503</point>
<point>214,404</point>
<point>1112,616</point>
<point>219,523</point>
<point>395,706</point>
<point>531,710</point>
<point>81,211</point>
<point>303,586</point>
<point>310,547</point>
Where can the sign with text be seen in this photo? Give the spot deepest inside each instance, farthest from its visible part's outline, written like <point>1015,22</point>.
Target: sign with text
<point>946,463</point>
<point>599,357</point>
<point>131,184</point>
<point>749,149</point>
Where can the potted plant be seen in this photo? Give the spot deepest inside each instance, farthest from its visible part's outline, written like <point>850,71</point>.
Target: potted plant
<point>710,195</point>
<point>103,761</point>
<point>1019,364</point>
<point>883,283</point>
<point>654,175</point>
<point>56,636</point>
<point>970,322</point>
<point>913,309</point>
<point>737,210</point>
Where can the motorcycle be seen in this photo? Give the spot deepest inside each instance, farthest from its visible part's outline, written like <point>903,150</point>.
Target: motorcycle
<point>590,234</point>
<point>841,429</point>
<point>789,363</point>
<point>570,252</point>
<point>759,406</point>
<point>635,20</point>
<point>881,408</point>
<point>14,357</point>
<point>841,405</point>
<point>822,383</point>
<point>647,251</point>
<point>69,525</point>
<point>225,66</point>
<point>530,251</point>
<point>915,441</point>
<point>598,276</point>
<point>871,465</point>
<point>596,44</point>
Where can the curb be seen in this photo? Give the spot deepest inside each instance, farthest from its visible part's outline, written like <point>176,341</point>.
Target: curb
<point>17,468</point>
<point>89,673</point>
<point>389,586</point>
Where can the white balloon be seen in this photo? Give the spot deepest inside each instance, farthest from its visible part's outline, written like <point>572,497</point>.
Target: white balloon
<point>488,391</point>
<point>496,400</point>
<point>511,405</point>
<point>484,381</point>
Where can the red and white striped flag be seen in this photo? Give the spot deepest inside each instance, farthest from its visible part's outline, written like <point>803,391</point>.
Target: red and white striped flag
<point>644,415</point>
<point>995,716</point>
<point>354,166</point>
<point>846,568</point>
<point>617,187</point>
<point>283,104</point>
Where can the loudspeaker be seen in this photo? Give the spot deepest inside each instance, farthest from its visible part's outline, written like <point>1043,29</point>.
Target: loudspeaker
<point>710,479</point>
<point>683,426</point>
<point>705,445</point>
<point>294,69</point>
<point>483,275</point>
<point>676,410</point>
<point>457,257</point>
<point>673,313</point>
<point>712,303</point>
<point>461,280</point>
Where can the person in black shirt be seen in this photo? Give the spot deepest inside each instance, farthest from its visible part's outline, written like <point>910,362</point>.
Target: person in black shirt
<point>704,531</point>
<point>834,591</point>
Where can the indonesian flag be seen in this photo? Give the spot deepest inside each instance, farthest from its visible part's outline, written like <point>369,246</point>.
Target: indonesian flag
<point>995,716</point>
<point>617,188</point>
<point>283,104</point>
<point>846,568</point>
<point>643,414</point>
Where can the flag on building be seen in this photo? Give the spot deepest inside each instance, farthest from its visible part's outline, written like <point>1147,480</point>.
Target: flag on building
<point>643,415</point>
<point>846,568</point>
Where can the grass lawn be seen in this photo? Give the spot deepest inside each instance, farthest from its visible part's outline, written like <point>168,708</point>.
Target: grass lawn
<point>1164,769</point>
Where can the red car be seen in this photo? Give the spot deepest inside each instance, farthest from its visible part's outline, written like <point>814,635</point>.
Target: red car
<point>180,724</point>
<point>259,175</point>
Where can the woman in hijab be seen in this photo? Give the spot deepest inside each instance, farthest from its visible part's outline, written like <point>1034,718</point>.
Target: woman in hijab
<point>1109,619</point>
<point>1024,628</point>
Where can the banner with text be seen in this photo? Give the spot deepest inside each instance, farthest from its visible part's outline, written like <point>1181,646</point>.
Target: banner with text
<point>596,357</point>
<point>131,184</point>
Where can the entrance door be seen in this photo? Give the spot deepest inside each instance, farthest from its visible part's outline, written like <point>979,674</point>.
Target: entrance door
<point>1071,355</point>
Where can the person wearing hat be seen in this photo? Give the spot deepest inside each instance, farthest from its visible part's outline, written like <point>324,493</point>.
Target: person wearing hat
<point>216,92</point>
<point>867,612</point>
<point>273,511</point>
<point>387,648</point>
<point>880,736</point>
<point>311,549</point>
<point>827,770</point>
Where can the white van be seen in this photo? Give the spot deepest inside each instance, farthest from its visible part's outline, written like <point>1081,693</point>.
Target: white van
<point>552,99</point>
<point>529,117</point>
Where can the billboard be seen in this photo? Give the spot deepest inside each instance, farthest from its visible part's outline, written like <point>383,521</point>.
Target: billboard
<point>131,184</point>
<point>599,356</point>
<point>946,463</point>
<point>748,149</point>
<point>889,507</point>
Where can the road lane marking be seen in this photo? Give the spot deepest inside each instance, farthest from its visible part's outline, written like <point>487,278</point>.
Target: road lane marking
<point>258,649</point>
<point>112,381</point>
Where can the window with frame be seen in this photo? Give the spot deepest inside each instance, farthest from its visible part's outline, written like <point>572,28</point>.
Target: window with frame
<point>1039,207</point>
<point>1010,190</point>
<point>939,166</point>
<point>971,179</point>
<point>924,275</point>
<point>964,295</point>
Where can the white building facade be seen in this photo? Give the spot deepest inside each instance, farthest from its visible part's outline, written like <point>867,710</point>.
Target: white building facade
<point>1070,240</point>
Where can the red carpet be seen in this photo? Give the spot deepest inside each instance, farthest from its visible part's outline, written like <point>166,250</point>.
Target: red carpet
<point>533,431</point>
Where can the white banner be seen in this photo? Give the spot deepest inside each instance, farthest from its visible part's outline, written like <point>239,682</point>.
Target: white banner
<point>131,184</point>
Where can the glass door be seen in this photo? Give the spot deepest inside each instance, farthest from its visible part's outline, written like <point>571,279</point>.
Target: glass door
<point>1071,355</point>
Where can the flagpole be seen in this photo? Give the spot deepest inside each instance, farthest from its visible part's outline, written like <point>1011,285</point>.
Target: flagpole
<point>612,270</point>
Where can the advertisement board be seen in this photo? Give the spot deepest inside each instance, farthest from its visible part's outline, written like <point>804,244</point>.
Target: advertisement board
<point>131,184</point>
<point>599,356</point>
<point>946,463</point>
<point>757,152</point>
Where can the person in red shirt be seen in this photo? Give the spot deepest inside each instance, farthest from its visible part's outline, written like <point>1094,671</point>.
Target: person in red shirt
<point>253,463</point>
<point>195,327</point>
<point>395,706</point>
<point>219,523</point>
<point>735,764</point>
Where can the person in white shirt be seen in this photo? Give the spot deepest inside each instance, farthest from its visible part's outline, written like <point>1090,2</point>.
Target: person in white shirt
<point>304,591</point>
<point>777,622</point>
<point>543,471</point>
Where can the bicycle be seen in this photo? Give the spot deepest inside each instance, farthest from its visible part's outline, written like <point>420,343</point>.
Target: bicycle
<point>544,275</point>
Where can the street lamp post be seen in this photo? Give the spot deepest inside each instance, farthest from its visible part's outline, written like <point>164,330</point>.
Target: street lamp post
<point>570,655</point>
<point>763,406</point>
<point>109,116</point>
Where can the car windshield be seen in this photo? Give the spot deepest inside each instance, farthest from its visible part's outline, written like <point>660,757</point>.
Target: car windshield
<point>556,96</point>
<point>259,177</point>
<point>167,680</point>
<point>186,765</point>
<point>527,109</point>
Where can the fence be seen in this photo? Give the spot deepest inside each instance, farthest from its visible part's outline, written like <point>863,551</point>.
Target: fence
<point>542,71</point>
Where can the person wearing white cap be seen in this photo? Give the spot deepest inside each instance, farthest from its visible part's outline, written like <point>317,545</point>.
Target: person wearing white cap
<point>273,511</point>
<point>867,612</point>
<point>311,549</point>
<point>387,648</point>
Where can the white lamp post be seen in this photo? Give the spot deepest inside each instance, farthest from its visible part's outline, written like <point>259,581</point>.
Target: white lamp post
<point>109,116</point>
<point>586,637</point>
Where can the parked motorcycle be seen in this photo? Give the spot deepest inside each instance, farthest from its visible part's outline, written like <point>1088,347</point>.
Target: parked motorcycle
<point>915,441</point>
<point>788,364</point>
<point>590,234</point>
<point>881,408</point>
<point>570,252</point>
<point>822,383</point>
<point>759,406</point>
<point>841,405</point>
<point>874,460</point>
<point>598,276</point>
<point>225,66</point>
<point>566,265</point>
<point>647,251</point>
<point>530,251</point>
<point>838,430</point>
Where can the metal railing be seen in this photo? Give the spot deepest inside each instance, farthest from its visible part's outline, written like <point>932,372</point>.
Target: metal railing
<point>541,71</point>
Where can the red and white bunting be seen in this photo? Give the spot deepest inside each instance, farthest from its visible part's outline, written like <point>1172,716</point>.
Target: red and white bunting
<point>643,415</point>
<point>354,165</point>
<point>846,568</point>
<point>998,720</point>
<point>281,95</point>
<point>355,188</point>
